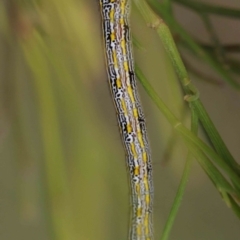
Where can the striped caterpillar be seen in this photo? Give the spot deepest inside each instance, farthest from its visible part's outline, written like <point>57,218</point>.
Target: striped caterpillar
<point>122,82</point>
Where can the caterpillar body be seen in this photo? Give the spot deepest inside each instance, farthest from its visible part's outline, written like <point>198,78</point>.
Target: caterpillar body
<point>122,82</point>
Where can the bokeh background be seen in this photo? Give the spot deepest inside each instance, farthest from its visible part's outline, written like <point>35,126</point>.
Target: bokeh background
<point>62,168</point>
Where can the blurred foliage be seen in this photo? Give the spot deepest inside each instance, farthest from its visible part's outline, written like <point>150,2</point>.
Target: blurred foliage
<point>65,167</point>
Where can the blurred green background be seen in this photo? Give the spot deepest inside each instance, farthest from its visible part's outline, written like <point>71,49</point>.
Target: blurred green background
<point>63,173</point>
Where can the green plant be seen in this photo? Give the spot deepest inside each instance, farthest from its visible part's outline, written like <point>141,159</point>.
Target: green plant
<point>57,114</point>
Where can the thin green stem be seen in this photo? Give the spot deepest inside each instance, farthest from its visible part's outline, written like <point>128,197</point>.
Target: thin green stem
<point>185,37</point>
<point>189,89</point>
<point>178,199</point>
<point>182,186</point>
<point>215,137</point>
<point>188,137</point>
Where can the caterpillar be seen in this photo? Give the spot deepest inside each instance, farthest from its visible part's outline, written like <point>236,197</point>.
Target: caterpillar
<point>122,82</point>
